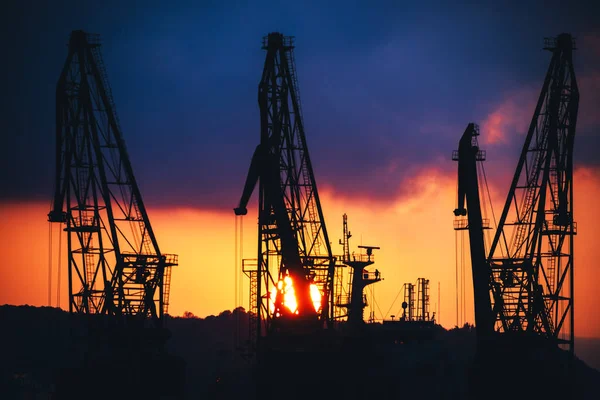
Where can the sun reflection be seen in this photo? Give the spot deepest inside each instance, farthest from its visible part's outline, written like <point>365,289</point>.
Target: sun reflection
<point>285,288</point>
<point>315,296</point>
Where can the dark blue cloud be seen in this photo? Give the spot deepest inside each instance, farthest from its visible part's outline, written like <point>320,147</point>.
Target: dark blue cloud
<point>386,88</point>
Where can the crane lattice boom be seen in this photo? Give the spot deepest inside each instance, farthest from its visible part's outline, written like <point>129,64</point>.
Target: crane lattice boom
<point>293,240</point>
<point>115,265</point>
<point>531,256</point>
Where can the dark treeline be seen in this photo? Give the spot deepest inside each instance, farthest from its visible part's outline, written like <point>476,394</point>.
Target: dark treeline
<point>35,342</point>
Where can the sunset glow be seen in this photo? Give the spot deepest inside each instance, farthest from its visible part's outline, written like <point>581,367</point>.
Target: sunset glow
<point>405,227</point>
<point>310,200</point>
<point>316,297</point>
<point>383,159</point>
<point>285,288</point>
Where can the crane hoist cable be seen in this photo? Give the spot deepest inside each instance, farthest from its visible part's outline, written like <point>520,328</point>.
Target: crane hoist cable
<point>487,188</point>
<point>241,256</point>
<point>456,271</point>
<point>393,302</point>
<point>58,267</point>
<point>235,262</point>
<point>463,272</point>
<point>375,302</point>
<point>235,277</point>
<point>49,264</point>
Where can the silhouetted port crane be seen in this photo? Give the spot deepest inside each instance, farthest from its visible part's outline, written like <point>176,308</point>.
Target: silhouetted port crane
<point>115,264</point>
<point>531,256</point>
<point>291,285</point>
<point>524,286</point>
<point>116,269</point>
<point>468,155</point>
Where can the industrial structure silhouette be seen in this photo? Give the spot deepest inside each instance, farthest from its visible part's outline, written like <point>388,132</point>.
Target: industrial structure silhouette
<point>307,334</point>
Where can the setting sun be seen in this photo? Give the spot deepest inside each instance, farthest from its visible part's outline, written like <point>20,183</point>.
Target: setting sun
<point>285,290</point>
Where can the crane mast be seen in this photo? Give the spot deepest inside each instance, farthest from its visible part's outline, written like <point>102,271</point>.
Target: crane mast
<point>345,241</point>
<point>531,255</point>
<point>467,155</point>
<point>115,265</point>
<point>295,268</point>
<point>359,279</point>
<point>524,286</point>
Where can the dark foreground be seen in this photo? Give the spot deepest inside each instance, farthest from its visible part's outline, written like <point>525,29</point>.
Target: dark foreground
<point>37,346</point>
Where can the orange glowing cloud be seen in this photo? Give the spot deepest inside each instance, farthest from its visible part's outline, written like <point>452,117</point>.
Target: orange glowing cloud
<point>512,114</point>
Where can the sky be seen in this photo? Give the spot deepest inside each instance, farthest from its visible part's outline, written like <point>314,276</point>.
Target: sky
<point>387,89</point>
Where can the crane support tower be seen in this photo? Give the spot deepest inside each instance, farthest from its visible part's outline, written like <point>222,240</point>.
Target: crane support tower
<point>523,287</point>
<point>118,277</point>
<point>525,284</point>
<point>292,280</point>
<point>115,265</point>
<point>531,255</point>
